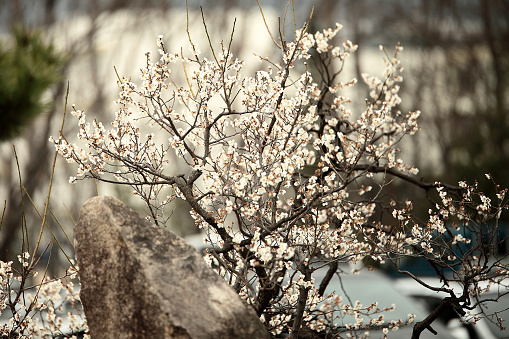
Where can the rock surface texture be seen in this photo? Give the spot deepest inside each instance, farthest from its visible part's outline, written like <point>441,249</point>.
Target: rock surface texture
<point>141,281</point>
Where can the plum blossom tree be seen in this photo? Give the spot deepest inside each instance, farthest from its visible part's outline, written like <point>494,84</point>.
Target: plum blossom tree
<point>39,311</point>
<point>286,180</point>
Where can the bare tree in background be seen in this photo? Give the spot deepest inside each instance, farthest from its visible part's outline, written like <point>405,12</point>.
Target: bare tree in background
<point>463,63</point>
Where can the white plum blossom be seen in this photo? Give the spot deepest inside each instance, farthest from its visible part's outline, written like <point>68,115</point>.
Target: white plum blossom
<point>284,156</point>
<point>47,298</point>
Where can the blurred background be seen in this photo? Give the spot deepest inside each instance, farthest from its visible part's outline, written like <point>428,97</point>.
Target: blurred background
<point>456,58</point>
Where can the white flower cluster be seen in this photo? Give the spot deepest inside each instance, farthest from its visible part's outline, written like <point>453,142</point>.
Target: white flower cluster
<point>39,314</point>
<point>279,153</point>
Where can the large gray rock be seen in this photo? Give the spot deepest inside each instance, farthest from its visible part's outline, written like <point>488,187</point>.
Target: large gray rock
<point>141,281</point>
